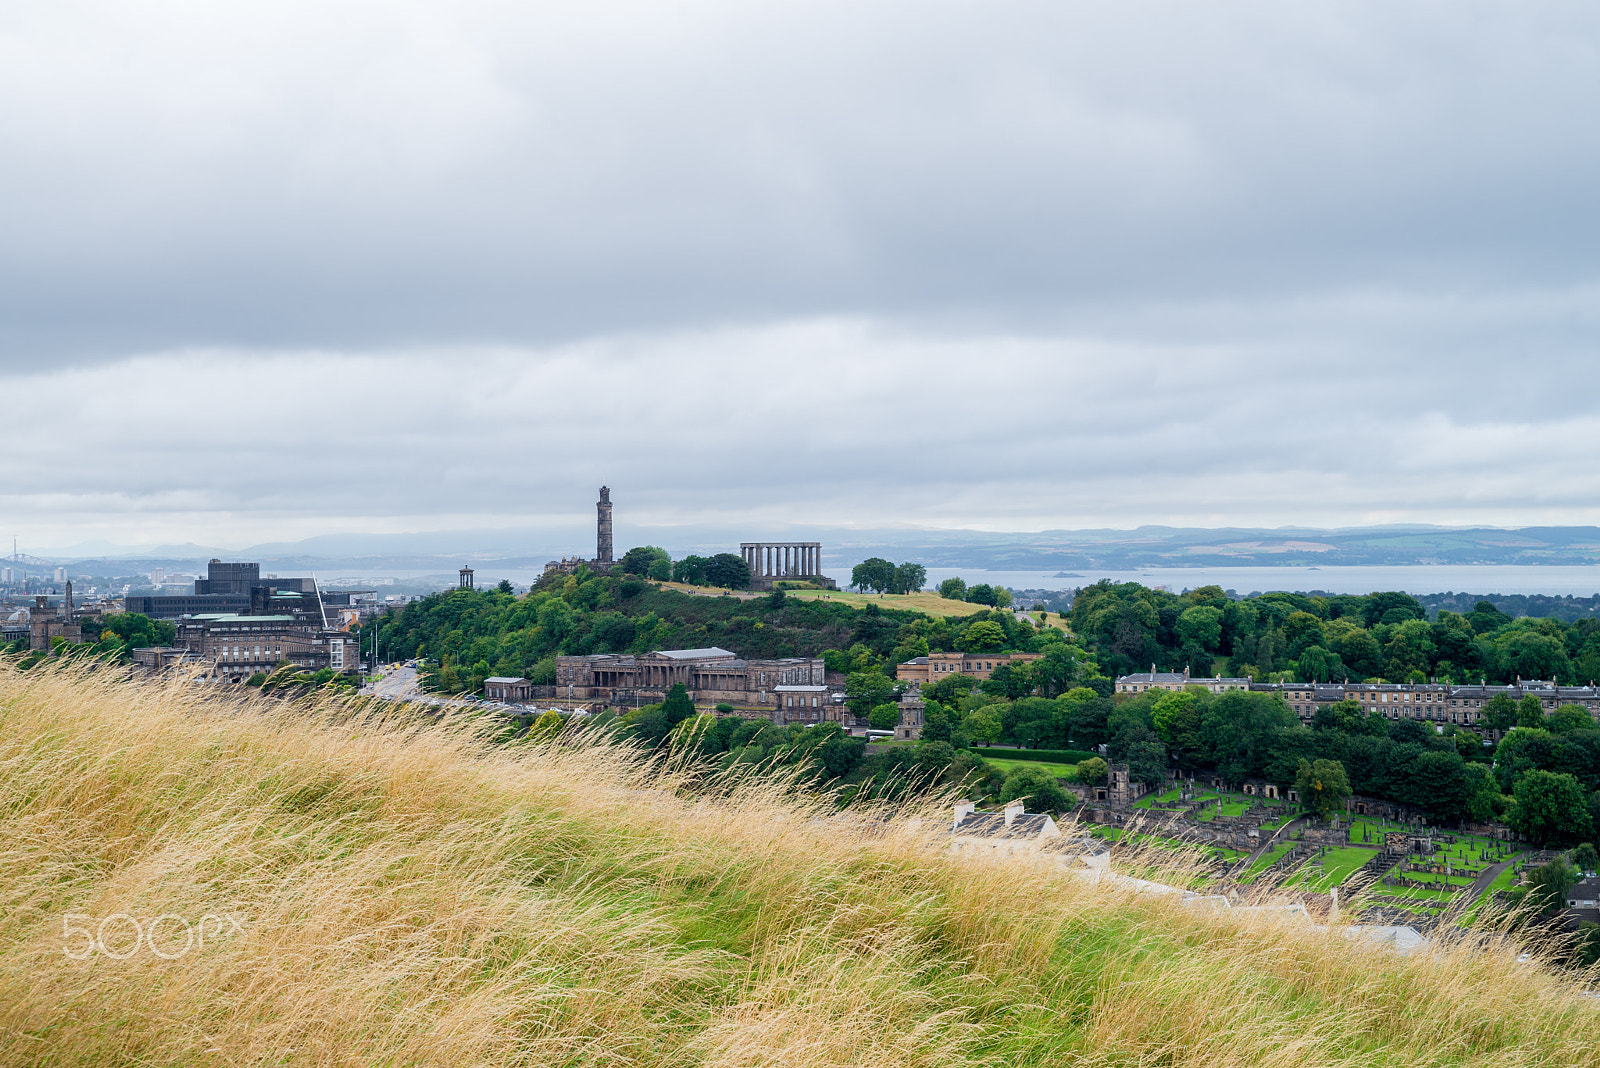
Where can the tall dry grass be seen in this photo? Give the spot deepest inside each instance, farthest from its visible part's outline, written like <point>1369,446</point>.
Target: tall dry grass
<point>407,894</point>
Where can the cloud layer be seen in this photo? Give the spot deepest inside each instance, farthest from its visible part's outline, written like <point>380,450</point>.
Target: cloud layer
<point>279,269</point>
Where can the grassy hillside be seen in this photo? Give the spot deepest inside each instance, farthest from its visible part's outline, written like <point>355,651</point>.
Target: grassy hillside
<point>406,896</point>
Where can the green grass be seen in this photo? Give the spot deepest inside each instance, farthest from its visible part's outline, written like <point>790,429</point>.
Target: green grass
<point>1150,800</point>
<point>1007,765</point>
<point>1320,874</point>
<point>1265,861</point>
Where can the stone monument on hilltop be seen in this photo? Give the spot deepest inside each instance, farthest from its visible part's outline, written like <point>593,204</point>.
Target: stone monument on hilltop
<point>603,545</point>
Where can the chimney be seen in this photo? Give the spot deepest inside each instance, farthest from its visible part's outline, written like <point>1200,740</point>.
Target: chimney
<point>963,810</point>
<point>1013,810</point>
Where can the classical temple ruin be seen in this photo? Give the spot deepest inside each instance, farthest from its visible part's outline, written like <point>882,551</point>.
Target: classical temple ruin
<point>771,561</point>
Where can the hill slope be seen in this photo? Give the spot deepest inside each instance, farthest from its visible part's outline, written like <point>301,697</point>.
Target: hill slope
<point>403,895</point>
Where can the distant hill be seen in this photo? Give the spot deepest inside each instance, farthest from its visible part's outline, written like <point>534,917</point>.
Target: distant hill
<point>1049,550</point>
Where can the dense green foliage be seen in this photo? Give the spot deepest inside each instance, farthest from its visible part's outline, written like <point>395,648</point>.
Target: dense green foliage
<point>1325,638</point>
<point>881,576</point>
<point>465,636</point>
<point>956,589</point>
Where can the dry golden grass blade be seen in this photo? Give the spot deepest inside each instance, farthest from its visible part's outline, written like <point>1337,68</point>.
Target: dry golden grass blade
<point>375,887</point>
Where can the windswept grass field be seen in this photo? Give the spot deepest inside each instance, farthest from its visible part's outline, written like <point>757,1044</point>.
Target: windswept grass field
<point>391,891</point>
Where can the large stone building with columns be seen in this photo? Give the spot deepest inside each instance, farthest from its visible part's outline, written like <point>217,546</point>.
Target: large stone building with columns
<point>789,690</point>
<point>772,561</point>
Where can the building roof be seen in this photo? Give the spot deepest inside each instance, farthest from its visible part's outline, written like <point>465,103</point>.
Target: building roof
<point>504,678</point>
<point>249,619</point>
<point>799,689</point>
<point>692,654</point>
<point>993,825</point>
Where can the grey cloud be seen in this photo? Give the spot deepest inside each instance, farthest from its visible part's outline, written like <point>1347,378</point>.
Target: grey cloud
<point>831,422</point>
<point>277,270</point>
<point>373,175</point>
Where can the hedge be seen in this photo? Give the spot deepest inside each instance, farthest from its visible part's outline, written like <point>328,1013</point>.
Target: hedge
<point>1049,756</point>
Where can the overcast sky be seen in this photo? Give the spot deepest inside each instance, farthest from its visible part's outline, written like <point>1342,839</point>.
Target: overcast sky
<point>284,269</point>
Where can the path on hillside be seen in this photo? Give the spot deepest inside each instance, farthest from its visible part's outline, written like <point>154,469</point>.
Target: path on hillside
<point>1490,874</point>
<point>1243,865</point>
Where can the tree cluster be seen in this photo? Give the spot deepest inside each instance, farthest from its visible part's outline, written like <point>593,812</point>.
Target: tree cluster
<point>956,589</point>
<point>881,576</point>
<point>1129,627</point>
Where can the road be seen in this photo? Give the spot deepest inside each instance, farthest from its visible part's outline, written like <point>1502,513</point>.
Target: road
<point>397,683</point>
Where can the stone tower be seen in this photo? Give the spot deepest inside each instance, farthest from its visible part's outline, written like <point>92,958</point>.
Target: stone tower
<point>603,547</point>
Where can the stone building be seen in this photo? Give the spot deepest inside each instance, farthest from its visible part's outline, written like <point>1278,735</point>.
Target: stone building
<point>47,623</point>
<point>913,717</point>
<point>774,561</point>
<point>238,646</point>
<point>1176,680</point>
<point>1432,702</point>
<point>925,670</point>
<point>793,687</point>
<point>508,691</point>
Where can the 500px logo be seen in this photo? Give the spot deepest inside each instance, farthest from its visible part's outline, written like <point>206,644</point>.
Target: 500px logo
<point>176,937</point>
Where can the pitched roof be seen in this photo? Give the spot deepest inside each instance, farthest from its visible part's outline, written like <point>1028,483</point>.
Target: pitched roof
<point>692,654</point>
<point>505,678</point>
<point>993,825</point>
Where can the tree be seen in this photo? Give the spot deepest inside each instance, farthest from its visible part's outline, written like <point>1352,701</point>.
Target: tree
<point>641,559</point>
<point>1168,708</point>
<point>138,631</point>
<point>1529,654</point>
<point>1142,751</point>
<point>1316,664</point>
<point>982,593</point>
<point>1569,718</point>
<point>1438,785</point>
<point>678,706</point>
<point>953,589</point>
<point>909,578</point>
<point>1092,772</point>
<point>865,690</point>
<point>1002,597</point>
<point>874,573</point>
<point>1323,786</point>
<point>1035,786</point>
<point>1585,857</point>
<point>1500,711</point>
<point>1359,650</point>
<point>691,569</point>
<point>984,636</point>
<point>504,586</point>
<point>982,724</point>
<point>547,726</point>
<point>1485,617</point>
<point>1530,713</point>
<point>1548,885</point>
<point>1200,628</point>
<point>1348,716</point>
<point>884,717</point>
<point>728,570</point>
<point>1551,808</point>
